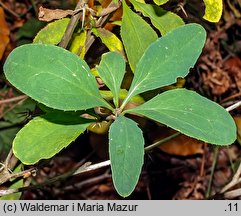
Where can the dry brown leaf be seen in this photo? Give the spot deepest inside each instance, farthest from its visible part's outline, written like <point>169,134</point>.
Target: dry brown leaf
<point>4,33</point>
<point>49,15</point>
<point>215,74</point>
<point>237,120</point>
<point>115,17</point>
<point>218,80</point>
<point>233,66</point>
<point>103,188</point>
<point>182,145</point>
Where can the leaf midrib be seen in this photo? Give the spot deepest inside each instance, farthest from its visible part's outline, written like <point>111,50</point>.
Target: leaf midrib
<point>132,93</point>
<point>52,74</point>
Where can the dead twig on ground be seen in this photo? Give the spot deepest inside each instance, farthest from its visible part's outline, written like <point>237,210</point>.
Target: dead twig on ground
<point>9,10</point>
<point>10,100</point>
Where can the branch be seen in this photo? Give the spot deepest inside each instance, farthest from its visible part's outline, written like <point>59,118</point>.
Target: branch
<point>9,10</point>
<point>234,106</point>
<point>86,167</point>
<point>105,16</point>
<point>38,186</point>
<point>10,100</point>
<point>235,180</point>
<point>72,24</point>
<point>232,194</point>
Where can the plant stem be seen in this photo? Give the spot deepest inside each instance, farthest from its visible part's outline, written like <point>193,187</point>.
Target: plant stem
<point>126,100</point>
<point>156,144</point>
<point>88,182</point>
<point>215,156</point>
<point>8,158</point>
<point>83,169</point>
<point>100,22</point>
<point>72,24</point>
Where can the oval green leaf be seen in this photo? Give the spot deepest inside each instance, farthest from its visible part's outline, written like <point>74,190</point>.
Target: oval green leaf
<point>112,70</point>
<point>52,33</point>
<point>191,114</point>
<point>163,20</point>
<point>53,76</point>
<point>136,35</point>
<point>45,136</point>
<point>213,10</point>
<point>108,38</point>
<point>168,58</point>
<point>126,148</point>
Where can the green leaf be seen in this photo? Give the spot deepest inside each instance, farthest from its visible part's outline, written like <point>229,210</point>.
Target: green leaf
<point>163,20</point>
<point>112,70</point>
<point>136,35</point>
<point>112,42</point>
<point>213,10</point>
<point>53,76</point>
<point>191,114</point>
<point>7,133</point>
<point>78,44</point>
<point>168,58</point>
<point>52,33</point>
<point>45,136</point>
<point>126,148</point>
<point>160,2</point>
<point>30,29</point>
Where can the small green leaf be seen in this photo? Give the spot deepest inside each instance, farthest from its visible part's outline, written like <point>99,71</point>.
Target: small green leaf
<point>112,70</point>
<point>112,42</point>
<point>126,148</point>
<point>52,33</point>
<point>163,20</point>
<point>45,136</point>
<point>160,2</point>
<point>191,114</point>
<point>136,34</point>
<point>213,10</point>
<point>168,58</point>
<point>53,76</point>
<point>78,44</point>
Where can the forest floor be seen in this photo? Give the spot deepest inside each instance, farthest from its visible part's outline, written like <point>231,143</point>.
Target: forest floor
<point>182,168</point>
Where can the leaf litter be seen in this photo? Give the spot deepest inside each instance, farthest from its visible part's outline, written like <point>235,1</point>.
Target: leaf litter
<point>188,172</point>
